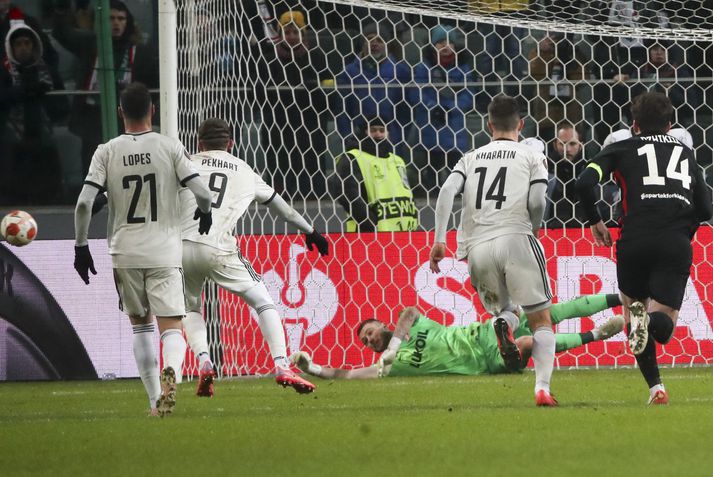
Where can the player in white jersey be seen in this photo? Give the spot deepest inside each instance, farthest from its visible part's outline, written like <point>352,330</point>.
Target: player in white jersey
<point>142,172</point>
<point>503,185</point>
<point>216,256</point>
<point>622,134</point>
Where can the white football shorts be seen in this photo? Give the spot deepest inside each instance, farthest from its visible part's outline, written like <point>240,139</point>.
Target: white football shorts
<point>156,291</point>
<point>510,269</point>
<point>230,270</point>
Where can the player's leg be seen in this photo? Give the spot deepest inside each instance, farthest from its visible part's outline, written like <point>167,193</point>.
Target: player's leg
<point>567,341</point>
<point>133,301</point>
<point>270,323</point>
<point>196,263</point>
<point>586,305</point>
<point>668,287</point>
<point>658,269</point>
<point>164,289</point>
<point>528,283</point>
<point>488,279</point>
<point>237,276</point>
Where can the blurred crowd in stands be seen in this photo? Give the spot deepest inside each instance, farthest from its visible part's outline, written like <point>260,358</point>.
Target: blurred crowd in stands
<point>332,70</point>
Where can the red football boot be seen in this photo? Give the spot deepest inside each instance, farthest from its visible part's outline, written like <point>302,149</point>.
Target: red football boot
<point>206,376</point>
<point>285,377</point>
<point>545,399</point>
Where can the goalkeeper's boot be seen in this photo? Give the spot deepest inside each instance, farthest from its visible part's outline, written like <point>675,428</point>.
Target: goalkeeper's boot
<point>506,344</point>
<point>167,401</point>
<point>658,397</point>
<point>285,377</point>
<point>639,333</point>
<point>206,376</point>
<point>613,326</point>
<point>545,399</point>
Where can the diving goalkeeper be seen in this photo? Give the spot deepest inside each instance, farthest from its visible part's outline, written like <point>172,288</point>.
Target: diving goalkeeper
<point>420,346</point>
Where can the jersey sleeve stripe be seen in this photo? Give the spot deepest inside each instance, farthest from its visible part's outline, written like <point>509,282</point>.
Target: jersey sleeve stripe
<point>596,168</point>
<point>101,188</point>
<point>462,189</point>
<point>538,181</point>
<point>270,199</point>
<point>185,180</point>
<point>540,258</point>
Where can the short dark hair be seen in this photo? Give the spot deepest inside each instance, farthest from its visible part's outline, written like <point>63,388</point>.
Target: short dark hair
<point>135,101</point>
<point>364,323</point>
<point>504,113</point>
<point>652,112</point>
<point>215,134</point>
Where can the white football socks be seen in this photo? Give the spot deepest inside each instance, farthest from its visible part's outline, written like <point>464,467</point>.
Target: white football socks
<point>174,351</point>
<point>146,362</point>
<point>274,334</point>
<point>270,324</point>
<point>196,332</point>
<point>543,354</point>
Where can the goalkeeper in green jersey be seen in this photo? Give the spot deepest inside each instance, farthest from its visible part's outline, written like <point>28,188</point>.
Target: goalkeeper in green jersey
<point>422,346</point>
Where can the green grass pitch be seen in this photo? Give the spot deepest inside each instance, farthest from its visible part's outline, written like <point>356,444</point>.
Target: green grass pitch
<point>439,426</point>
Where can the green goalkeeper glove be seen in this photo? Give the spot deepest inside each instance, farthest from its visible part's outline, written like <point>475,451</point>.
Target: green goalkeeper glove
<point>303,361</point>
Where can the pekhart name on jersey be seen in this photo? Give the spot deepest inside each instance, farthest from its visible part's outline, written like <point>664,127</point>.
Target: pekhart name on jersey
<point>212,162</point>
<point>498,154</point>
<point>137,159</point>
<point>660,138</point>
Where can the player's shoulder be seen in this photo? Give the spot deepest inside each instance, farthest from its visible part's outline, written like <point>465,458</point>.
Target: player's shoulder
<point>683,136</point>
<point>617,136</point>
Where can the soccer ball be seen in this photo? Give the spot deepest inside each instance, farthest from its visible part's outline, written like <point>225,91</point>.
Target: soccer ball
<point>18,228</point>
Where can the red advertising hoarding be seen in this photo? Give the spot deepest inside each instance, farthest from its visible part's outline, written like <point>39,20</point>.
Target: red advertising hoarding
<point>323,299</point>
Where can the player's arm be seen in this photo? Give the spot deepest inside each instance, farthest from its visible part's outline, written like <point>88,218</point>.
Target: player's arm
<point>537,195</point>
<point>304,362</point>
<point>536,203</point>
<point>586,185</point>
<point>93,185</point>
<point>407,318</point>
<point>266,195</point>
<point>188,177</point>
<point>444,207</point>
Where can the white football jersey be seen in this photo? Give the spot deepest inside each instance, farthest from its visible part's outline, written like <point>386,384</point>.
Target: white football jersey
<point>679,133</point>
<point>497,185</point>
<point>142,174</point>
<point>234,186</point>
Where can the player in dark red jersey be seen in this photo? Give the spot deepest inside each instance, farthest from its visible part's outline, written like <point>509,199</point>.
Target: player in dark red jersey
<point>664,199</point>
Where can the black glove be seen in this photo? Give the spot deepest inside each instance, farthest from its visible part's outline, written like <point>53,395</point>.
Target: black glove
<point>318,240</point>
<point>83,262</point>
<point>206,220</point>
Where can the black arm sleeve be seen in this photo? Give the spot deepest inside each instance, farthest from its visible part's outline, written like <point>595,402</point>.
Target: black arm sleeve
<point>347,187</point>
<point>586,189</point>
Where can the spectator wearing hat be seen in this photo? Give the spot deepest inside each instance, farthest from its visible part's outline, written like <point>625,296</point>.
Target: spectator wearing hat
<point>28,153</point>
<point>10,13</point>
<point>133,61</point>
<point>440,104</point>
<point>373,85</point>
<point>371,183</point>
<point>293,123</point>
